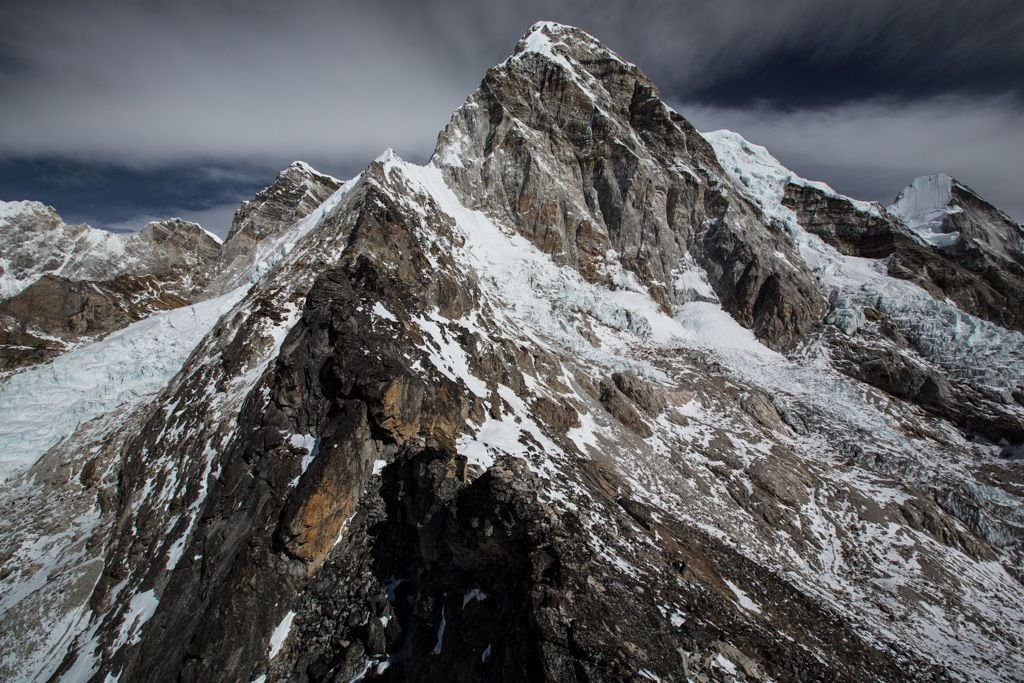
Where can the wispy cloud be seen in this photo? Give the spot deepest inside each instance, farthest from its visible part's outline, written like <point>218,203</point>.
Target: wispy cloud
<point>216,219</point>
<point>152,83</point>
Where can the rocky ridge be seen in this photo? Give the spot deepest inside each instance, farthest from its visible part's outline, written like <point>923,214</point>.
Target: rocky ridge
<point>892,321</point>
<point>523,414</point>
<point>973,234</point>
<point>36,242</point>
<point>62,286</point>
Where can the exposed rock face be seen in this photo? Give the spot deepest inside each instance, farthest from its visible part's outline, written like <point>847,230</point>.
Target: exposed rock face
<point>950,215</point>
<point>976,284</point>
<point>491,419</point>
<point>851,229</point>
<point>574,147</point>
<point>181,252</point>
<point>616,403</point>
<point>54,313</point>
<point>646,397</point>
<point>971,233</point>
<point>166,264</point>
<point>295,193</point>
<point>34,241</point>
<point>64,285</point>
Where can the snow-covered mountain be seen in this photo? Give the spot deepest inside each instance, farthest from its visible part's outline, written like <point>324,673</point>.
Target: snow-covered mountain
<point>34,241</point>
<point>62,286</point>
<point>937,207</point>
<point>924,205</point>
<point>589,396</point>
<point>972,233</point>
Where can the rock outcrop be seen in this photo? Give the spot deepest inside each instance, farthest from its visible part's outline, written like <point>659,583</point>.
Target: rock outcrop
<point>64,285</point>
<point>34,241</point>
<point>295,193</point>
<point>977,284</point>
<point>894,355</point>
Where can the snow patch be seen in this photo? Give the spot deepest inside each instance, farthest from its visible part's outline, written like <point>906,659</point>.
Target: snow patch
<point>741,597</point>
<point>311,445</point>
<point>439,645</point>
<point>141,608</point>
<point>280,634</point>
<point>447,355</point>
<point>381,312</point>
<point>470,596</point>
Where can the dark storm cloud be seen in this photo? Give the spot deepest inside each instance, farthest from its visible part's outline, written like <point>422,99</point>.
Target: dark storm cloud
<point>254,84</point>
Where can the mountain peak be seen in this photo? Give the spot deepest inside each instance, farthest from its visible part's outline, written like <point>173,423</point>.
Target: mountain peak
<point>388,156</point>
<point>184,232</point>
<point>9,210</point>
<point>300,170</point>
<point>550,26</point>
<point>946,213</point>
<point>763,177</point>
<point>547,31</point>
<point>926,203</point>
<point>537,366</point>
<point>302,166</point>
<point>561,43</point>
<point>924,194</point>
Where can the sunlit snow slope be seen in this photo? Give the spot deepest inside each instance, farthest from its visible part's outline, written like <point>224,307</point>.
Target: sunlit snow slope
<point>42,405</point>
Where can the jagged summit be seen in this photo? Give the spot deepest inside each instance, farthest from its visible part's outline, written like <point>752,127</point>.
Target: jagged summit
<point>187,234</point>
<point>34,241</point>
<point>14,208</point>
<point>923,206</point>
<point>295,193</point>
<point>949,215</point>
<point>559,42</point>
<point>304,167</point>
<point>764,176</point>
<point>108,280</point>
<point>388,156</point>
<point>63,285</point>
<point>577,150</point>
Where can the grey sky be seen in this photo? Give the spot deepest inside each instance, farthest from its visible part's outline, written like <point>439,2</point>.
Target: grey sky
<point>864,94</point>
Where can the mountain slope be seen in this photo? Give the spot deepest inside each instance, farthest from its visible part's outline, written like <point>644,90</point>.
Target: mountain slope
<point>35,241</point>
<point>62,286</point>
<point>975,236</point>
<point>884,328</point>
<point>945,212</point>
<point>570,402</point>
<point>572,145</point>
